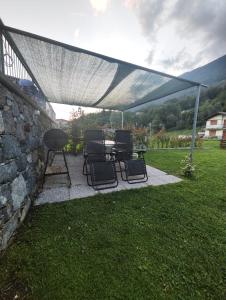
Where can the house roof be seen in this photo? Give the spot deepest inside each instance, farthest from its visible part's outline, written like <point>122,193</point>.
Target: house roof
<point>222,113</point>
<point>72,75</point>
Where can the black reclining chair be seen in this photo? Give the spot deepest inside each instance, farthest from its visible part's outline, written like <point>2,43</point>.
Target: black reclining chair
<point>91,137</point>
<point>134,168</point>
<point>100,171</point>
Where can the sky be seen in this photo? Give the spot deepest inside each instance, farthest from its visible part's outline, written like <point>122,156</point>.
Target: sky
<point>173,36</point>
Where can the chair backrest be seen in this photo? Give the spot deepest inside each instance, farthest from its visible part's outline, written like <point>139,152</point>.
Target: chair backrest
<point>96,146</point>
<point>124,140</point>
<point>94,135</point>
<point>55,139</point>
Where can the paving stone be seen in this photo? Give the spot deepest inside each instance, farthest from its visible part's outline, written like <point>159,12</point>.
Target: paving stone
<point>53,195</point>
<point>55,192</point>
<point>81,191</point>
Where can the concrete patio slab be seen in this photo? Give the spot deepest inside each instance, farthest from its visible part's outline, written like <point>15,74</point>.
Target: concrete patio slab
<point>55,188</point>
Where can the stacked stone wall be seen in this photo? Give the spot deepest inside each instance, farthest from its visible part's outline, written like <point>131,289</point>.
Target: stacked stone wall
<point>22,156</point>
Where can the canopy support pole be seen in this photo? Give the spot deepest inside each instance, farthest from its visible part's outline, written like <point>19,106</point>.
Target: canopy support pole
<point>1,52</point>
<point>122,120</point>
<point>195,122</point>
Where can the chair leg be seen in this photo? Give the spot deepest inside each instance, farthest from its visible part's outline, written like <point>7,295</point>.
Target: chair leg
<point>84,168</point>
<point>68,174</point>
<point>121,171</point>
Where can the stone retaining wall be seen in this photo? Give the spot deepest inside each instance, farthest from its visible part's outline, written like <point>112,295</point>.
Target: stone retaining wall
<point>22,155</point>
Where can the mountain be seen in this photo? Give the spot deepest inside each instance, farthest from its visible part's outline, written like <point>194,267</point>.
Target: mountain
<point>209,74</point>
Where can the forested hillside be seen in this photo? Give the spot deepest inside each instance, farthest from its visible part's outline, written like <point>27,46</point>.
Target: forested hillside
<point>209,74</point>
<point>173,115</point>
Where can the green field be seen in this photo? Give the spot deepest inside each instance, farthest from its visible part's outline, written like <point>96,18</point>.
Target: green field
<point>166,242</point>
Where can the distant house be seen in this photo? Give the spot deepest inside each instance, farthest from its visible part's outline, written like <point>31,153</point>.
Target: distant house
<point>216,126</point>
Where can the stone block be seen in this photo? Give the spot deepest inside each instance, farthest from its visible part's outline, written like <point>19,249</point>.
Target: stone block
<point>5,194</point>
<point>29,158</point>
<point>8,171</point>
<point>21,162</point>
<point>15,109</point>
<point>9,123</point>
<point>19,191</point>
<point>1,156</point>
<point>11,147</point>
<point>2,100</point>
<point>2,126</point>
<point>6,213</point>
<point>30,177</point>
<point>8,230</point>
<point>35,156</point>
<point>25,209</point>
<point>20,131</point>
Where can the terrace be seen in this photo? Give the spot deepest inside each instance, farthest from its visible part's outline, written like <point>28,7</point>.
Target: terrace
<point>160,239</point>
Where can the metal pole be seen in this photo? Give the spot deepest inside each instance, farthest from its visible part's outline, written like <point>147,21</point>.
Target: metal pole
<point>1,53</point>
<point>122,120</point>
<point>195,122</point>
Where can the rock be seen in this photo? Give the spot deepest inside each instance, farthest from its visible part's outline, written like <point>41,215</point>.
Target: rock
<point>2,127</point>
<point>19,191</point>
<point>20,131</point>
<point>6,213</point>
<point>9,122</point>
<point>35,156</point>
<point>6,107</point>
<point>3,201</point>
<point>21,162</point>
<point>15,109</point>
<point>8,230</point>
<point>1,155</point>
<point>25,209</point>
<point>8,171</point>
<point>2,100</point>
<point>29,158</point>
<point>8,101</point>
<point>10,146</point>
<point>5,194</point>
<point>31,179</point>
<point>21,117</point>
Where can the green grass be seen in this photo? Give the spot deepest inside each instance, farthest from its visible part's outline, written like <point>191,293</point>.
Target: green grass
<point>166,242</point>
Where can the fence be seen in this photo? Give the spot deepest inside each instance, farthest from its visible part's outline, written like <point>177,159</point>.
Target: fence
<point>13,65</point>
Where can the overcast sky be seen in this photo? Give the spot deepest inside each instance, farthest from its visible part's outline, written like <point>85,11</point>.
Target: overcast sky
<point>173,36</point>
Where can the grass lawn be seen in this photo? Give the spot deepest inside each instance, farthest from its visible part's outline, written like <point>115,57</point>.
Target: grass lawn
<point>166,242</point>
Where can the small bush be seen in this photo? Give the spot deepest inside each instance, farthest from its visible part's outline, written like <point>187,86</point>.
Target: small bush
<point>187,167</point>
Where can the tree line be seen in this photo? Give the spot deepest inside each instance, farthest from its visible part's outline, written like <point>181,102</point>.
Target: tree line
<point>173,115</point>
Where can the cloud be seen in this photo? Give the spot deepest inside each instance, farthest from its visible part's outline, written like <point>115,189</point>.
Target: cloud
<point>149,13</point>
<point>99,6</point>
<point>199,29</point>
<point>204,23</point>
<point>181,61</point>
<point>150,57</point>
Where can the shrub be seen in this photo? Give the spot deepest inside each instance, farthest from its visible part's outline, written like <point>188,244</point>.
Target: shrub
<point>187,167</point>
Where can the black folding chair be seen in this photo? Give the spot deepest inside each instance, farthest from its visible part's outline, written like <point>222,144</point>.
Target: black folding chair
<point>100,172</point>
<point>134,168</point>
<point>93,139</point>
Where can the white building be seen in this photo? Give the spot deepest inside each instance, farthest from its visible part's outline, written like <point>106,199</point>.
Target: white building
<point>216,126</point>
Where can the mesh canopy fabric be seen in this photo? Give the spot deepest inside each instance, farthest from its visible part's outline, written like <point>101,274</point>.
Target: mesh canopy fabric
<point>75,76</point>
